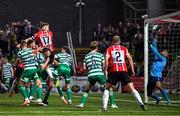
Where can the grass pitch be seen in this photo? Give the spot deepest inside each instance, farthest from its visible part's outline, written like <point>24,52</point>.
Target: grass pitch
<point>126,102</point>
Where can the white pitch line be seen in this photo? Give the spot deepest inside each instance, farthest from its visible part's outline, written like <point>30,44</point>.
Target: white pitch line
<point>131,101</point>
<point>87,111</point>
<point>101,98</point>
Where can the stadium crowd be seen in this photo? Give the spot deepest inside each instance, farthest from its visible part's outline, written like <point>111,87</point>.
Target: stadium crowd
<point>12,33</point>
<point>132,37</point>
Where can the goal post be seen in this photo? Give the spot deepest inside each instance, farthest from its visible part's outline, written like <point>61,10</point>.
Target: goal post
<point>168,38</point>
<point>146,61</point>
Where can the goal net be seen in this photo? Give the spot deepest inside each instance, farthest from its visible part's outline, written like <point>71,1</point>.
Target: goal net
<point>167,38</point>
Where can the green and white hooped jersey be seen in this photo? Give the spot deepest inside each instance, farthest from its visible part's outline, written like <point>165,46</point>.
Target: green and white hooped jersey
<point>94,62</point>
<point>27,57</point>
<point>39,59</point>
<point>7,70</point>
<point>64,58</point>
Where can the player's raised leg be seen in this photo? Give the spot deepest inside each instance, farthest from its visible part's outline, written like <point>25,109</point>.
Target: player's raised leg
<point>60,91</point>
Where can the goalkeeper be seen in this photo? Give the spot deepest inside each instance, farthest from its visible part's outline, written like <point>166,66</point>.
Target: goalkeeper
<point>159,62</point>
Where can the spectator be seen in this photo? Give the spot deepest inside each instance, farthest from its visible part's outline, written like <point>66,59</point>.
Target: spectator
<point>139,46</point>
<point>120,28</point>
<point>131,32</point>
<point>13,43</point>
<point>138,28</point>
<point>27,30</point>
<point>99,30</point>
<point>0,52</point>
<point>104,32</point>
<point>103,45</point>
<point>126,38</point>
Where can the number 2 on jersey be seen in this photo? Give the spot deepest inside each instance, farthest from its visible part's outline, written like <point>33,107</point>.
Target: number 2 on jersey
<point>118,56</point>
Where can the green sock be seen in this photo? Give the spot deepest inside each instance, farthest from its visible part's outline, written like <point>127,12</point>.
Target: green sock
<point>28,91</point>
<point>84,98</point>
<point>111,96</point>
<point>69,94</point>
<point>47,96</point>
<point>60,91</point>
<point>23,91</point>
<point>39,93</point>
<point>33,90</point>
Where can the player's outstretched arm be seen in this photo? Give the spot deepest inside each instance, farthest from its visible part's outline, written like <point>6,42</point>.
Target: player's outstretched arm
<point>154,42</point>
<point>154,48</point>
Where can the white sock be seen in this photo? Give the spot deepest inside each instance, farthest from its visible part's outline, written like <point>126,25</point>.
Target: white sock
<point>31,97</point>
<point>137,96</point>
<point>105,98</point>
<point>62,97</point>
<point>49,73</point>
<point>4,87</point>
<point>39,100</point>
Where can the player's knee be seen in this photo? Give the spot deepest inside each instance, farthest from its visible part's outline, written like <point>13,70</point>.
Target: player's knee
<point>131,87</point>
<point>50,85</point>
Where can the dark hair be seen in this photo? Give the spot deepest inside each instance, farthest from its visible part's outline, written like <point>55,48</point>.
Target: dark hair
<point>46,49</point>
<point>23,43</point>
<point>30,42</point>
<point>66,49</point>
<point>94,45</point>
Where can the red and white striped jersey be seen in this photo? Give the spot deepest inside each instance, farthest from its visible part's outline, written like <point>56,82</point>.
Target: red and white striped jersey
<point>117,58</point>
<point>45,38</point>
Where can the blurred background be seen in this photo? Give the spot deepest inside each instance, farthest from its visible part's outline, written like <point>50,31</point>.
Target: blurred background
<point>112,16</point>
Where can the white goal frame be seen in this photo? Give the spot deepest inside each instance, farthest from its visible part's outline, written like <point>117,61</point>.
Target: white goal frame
<point>165,18</point>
